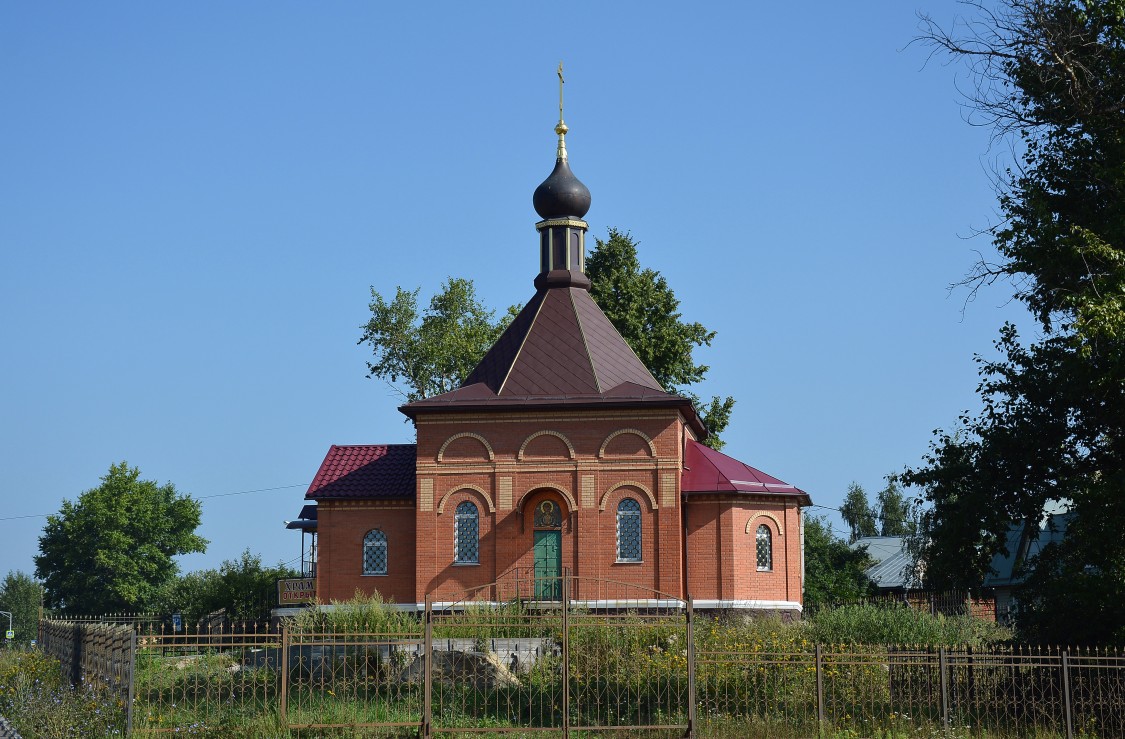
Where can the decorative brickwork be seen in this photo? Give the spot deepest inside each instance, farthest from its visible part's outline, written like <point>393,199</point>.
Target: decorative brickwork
<point>623,449</point>
<point>629,483</point>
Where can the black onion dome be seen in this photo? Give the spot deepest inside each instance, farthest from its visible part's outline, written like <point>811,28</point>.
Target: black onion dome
<point>561,194</point>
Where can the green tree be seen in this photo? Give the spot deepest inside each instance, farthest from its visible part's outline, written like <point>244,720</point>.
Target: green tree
<point>834,571</point>
<point>21,596</point>
<point>646,312</point>
<point>892,509</point>
<point>113,548</point>
<point>420,355</point>
<point>243,588</point>
<point>1051,74</point>
<point>858,513</point>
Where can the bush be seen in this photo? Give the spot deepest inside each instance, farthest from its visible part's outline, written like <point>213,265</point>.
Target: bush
<point>901,625</point>
<point>362,614</point>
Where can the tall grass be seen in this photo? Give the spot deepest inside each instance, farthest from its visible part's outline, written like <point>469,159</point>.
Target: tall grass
<point>370,614</point>
<point>872,624</point>
<point>40,705</point>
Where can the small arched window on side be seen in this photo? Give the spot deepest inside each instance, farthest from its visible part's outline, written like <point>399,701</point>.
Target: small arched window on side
<point>628,531</point>
<point>466,536</point>
<point>764,545</point>
<point>375,553</point>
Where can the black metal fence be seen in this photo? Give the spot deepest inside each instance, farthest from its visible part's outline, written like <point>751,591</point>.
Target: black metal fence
<point>604,659</point>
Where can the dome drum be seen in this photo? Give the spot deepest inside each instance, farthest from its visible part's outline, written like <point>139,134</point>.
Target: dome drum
<point>562,245</point>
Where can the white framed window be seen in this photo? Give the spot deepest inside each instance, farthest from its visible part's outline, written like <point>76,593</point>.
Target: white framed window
<point>375,553</point>
<point>466,534</point>
<point>628,531</point>
<point>763,543</point>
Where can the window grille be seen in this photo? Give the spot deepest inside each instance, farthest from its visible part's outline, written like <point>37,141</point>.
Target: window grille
<point>375,553</point>
<point>764,542</point>
<point>629,531</point>
<point>466,540</point>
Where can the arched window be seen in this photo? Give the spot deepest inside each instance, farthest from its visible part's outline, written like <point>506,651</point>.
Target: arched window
<point>764,545</point>
<point>466,537</point>
<point>375,553</point>
<point>628,531</point>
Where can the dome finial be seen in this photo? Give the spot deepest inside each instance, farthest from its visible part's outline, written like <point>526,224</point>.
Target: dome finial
<point>561,129</point>
<point>561,195</point>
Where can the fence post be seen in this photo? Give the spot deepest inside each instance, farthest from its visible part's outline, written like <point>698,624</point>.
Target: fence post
<point>283,708</point>
<point>972,688</point>
<point>691,668</point>
<point>427,670</point>
<point>819,689</point>
<point>1068,710</point>
<point>943,665</point>
<point>132,682</point>
<point>566,653</point>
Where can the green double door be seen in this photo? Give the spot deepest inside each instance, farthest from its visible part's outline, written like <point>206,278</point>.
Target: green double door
<point>548,565</point>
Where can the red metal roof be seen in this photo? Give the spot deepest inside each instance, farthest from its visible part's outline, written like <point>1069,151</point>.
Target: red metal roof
<point>384,471</point>
<point>709,471</point>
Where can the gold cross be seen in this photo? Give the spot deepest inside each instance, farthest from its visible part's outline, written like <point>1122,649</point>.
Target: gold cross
<point>561,81</point>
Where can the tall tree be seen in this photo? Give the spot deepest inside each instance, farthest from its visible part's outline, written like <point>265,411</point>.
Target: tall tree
<point>643,308</point>
<point>421,354</point>
<point>21,596</point>
<point>858,513</point>
<point>113,548</point>
<point>892,509</point>
<point>1050,73</point>
<point>834,571</point>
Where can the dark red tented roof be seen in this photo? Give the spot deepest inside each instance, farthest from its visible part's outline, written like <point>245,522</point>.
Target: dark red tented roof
<point>560,350</point>
<point>383,471</point>
<point>709,471</point>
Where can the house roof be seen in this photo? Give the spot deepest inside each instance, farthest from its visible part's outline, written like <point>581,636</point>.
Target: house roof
<point>709,471</point>
<point>894,565</point>
<point>381,471</point>
<point>560,350</point>
<point>1023,545</point>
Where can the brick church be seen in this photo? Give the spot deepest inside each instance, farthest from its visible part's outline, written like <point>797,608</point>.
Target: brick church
<point>560,452</point>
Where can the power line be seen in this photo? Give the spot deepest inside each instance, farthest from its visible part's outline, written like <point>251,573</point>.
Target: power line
<point>201,497</point>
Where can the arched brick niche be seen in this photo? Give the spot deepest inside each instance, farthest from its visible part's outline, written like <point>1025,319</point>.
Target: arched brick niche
<point>627,443</point>
<point>465,447</point>
<point>546,445</point>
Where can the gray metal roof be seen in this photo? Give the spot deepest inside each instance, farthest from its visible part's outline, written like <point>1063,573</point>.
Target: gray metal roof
<point>894,567</point>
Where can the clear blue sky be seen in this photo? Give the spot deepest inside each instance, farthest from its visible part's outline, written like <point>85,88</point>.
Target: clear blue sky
<point>196,197</point>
